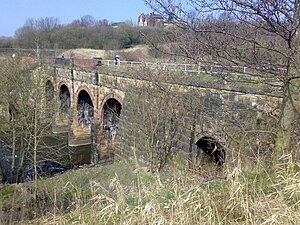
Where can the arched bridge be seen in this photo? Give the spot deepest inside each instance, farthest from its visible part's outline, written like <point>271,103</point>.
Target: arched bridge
<point>86,97</point>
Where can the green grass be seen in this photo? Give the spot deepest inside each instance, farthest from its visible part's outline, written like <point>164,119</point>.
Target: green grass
<point>234,82</point>
<point>6,192</point>
<point>9,198</point>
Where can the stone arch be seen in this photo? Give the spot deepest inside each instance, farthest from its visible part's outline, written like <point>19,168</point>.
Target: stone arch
<point>86,89</point>
<point>49,98</point>
<point>211,147</point>
<point>111,111</point>
<point>64,99</point>
<point>85,108</point>
<point>110,114</point>
<point>113,96</point>
<point>49,91</point>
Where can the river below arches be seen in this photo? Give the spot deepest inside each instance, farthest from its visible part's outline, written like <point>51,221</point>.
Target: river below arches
<point>55,157</point>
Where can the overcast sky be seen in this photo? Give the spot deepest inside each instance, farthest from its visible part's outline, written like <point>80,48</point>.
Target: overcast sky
<point>14,13</point>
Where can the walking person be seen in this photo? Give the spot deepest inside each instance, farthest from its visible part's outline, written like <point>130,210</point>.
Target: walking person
<point>117,60</point>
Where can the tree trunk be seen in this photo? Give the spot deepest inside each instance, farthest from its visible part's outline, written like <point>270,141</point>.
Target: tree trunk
<point>2,177</point>
<point>283,141</point>
<point>22,161</point>
<point>13,153</point>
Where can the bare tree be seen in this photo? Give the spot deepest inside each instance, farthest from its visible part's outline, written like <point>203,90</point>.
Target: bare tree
<point>37,33</point>
<point>24,126</point>
<point>262,35</point>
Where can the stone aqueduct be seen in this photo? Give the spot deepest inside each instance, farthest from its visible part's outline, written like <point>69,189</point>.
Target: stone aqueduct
<point>87,104</point>
<point>82,107</point>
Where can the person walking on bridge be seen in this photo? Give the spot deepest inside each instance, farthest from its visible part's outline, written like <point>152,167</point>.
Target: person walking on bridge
<point>117,60</point>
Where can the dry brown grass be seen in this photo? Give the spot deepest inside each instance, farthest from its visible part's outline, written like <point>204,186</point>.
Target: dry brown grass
<point>182,197</point>
<point>136,53</point>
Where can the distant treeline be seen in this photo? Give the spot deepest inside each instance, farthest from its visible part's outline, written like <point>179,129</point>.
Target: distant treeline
<point>86,32</point>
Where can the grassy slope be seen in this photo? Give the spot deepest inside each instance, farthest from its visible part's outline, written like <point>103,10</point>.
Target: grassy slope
<point>126,193</point>
<point>85,53</point>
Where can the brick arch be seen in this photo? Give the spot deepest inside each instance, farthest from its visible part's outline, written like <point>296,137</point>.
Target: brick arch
<point>213,148</point>
<point>108,128</point>
<point>49,78</point>
<point>84,106</point>
<point>61,84</point>
<point>108,96</point>
<point>86,89</point>
<point>49,98</point>
<point>111,95</point>
<point>49,81</point>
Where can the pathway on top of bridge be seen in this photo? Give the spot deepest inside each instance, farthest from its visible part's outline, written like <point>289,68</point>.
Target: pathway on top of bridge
<point>200,67</point>
<point>250,80</point>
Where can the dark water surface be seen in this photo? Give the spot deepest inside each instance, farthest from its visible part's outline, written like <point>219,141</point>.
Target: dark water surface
<point>55,157</point>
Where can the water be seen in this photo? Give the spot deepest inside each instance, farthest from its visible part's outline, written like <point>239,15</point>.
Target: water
<point>55,157</point>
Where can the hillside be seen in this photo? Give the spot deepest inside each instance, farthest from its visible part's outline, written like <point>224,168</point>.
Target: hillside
<point>139,52</point>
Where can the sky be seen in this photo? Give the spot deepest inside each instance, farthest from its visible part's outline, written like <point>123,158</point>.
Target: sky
<point>14,13</point>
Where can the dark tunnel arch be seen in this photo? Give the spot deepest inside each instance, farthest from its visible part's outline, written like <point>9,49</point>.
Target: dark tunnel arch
<point>111,112</point>
<point>110,116</point>
<point>85,109</point>
<point>211,147</point>
<point>65,99</point>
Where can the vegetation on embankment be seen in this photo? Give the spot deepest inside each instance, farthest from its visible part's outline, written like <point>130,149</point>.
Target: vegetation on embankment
<point>127,193</point>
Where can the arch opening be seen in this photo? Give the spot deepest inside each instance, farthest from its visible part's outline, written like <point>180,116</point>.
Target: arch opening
<point>49,91</point>
<point>85,109</point>
<point>65,99</point>
<point>212,148</point>
<point>111,114</point>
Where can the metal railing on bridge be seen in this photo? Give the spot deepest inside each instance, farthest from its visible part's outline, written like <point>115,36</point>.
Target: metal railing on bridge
<point>200,68</point>
<point>217,75</point>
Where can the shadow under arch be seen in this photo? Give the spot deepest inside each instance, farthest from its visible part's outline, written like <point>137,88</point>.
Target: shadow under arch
<point>65,99</point>
<point>111,111</point>
<point>85,109</point>
<point>211,147</point>
<point>49,91</point>
<point>49,98</point>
